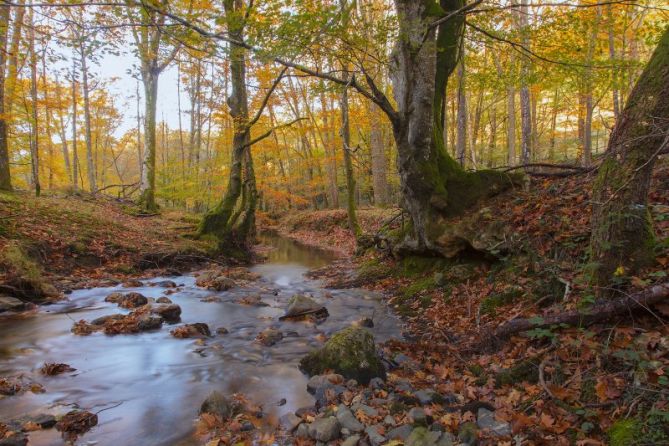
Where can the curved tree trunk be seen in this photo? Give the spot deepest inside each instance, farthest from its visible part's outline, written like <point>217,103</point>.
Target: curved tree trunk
<point>622,234</point>
<point>433,185</point>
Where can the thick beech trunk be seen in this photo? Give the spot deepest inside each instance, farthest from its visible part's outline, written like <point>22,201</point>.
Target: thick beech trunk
<point>622,234</point>
<point>433,185</point>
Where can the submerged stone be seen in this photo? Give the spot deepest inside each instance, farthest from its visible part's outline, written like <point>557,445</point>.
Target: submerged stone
<point>300,306</point>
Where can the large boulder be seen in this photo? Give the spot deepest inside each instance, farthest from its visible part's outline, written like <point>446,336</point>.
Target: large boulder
<point>350,353</point>
<point>8,303</point>
<point>300,306</point>
<point>169,312</point>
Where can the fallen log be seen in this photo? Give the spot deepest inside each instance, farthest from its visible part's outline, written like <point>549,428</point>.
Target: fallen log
<point>600,311</point>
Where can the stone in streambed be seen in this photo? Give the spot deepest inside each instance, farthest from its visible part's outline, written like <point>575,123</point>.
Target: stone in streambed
<point>132,283</point>
<point>196,330</point>
<point>253,300</point>
<point>289,422</point>
<point>108,318</point>
<point>269,337</point>
<point>18,439</point>
<point>8,303</point>
<point>351,441</point>
<point>215,280</point>
<point>300,306</point>
<point>375,438</point>
<point>350,353</point>
<point>347,420</point>
<point>169,312</point>
<point>133,300</point>
<point>324,429</point>
<point>164,300</point>
<point>217,404</point>
<point>165,284</point>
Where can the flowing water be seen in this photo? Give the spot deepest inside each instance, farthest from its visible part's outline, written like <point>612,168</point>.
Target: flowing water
<point>149,386</point>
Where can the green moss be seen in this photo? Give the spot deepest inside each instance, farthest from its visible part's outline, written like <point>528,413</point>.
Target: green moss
<point>350,352</point>
<point>23,273</point>
<point>624,432</point>
<point>419,286</point>
<point>525,371</point>
<point>490,304</point>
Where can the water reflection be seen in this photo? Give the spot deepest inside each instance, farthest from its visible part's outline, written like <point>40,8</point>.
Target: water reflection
<point>160,380</point>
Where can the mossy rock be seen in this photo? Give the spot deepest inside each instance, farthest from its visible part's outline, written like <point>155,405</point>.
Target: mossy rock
<point>24,275</point>
<point>625,432</point>
<point>350,352</point>
<point>525,371</point>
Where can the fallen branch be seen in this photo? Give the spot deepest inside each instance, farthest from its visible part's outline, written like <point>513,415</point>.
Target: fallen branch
<point>601,310</point>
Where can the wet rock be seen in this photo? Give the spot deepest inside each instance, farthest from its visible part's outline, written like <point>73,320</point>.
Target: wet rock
<point>75,423</point>
<point>347,420</point>
<point>132,283</point>
<point>11,304</point>
<point>302,431</point>
<point>114,298</point>
<point>324,429</point>
<point>210,299</point>
<point>269,337</point>
<point>104,319</point>
<point>164,300</point>
<point>217,404</point>
<point>222,331</point>
<point>350,353</point>
<point>253,300</point>
<point>52,369</point>
<point>318,381</point>
<point>45,421</point>
<point>132,300</point>
<point>486,420</point>
<point>166,284</point>
<point>196,330</point>
<point>300,306</point>
<point>18,439</point>
<point>375,438</point>
<point>148,322</point>
<point>169,312</point>
<point>400,433</point>
<point>289,422</point>
<point>351,441</point>
<point>364,322</point>
<point>215,280</point>
<point>468,433</point>
<point>304,411</point>
<point>417,416</point>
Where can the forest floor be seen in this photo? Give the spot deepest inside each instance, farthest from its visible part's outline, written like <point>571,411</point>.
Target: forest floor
<point>75,241</point>
<point>589,385</point>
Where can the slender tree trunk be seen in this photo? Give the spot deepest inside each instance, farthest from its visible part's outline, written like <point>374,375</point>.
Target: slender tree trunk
<point>551,145</point>
<point>379,160</point>
<point>348,163</point>
<point>511,125</point>
<point>525,106</point>
<point>147,186</point>
<point>34,140</point>
<point>140,154</point>
<point>63,134</point>
<point>612,58</point>
<point>75,155</point>
<point>330,154</point>
<point>588,81</point>
<point>461,144</point>
<point>5,176</point>
<point>622,237</point>
<point>87,121</point>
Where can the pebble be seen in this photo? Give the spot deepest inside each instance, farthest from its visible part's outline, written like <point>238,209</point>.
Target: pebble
<point>324,429</point>
<point>400,433</point>
<point>351,441</point>
<point>375,438</point>
<point>348,420</point>
<point>418,416</point>
<point>486,420</point>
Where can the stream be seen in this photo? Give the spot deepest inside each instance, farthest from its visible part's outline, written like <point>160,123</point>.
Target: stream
<point>149,386</point>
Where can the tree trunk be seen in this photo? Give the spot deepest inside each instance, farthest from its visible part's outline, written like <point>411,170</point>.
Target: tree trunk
<point>147,187</point>
<point>379,160</point>
<point>5,176</point>
<point>433,184</point>
<point>75,156</point>
<point>525,106</point>
<point>330,155</point>
<point>612,58</point>
<point>511,125</point>
<point>348,163</point>
<point>622,237</point>
<point>87,120</point>
<point>461,144</point>
<point>34,139</point>
<point>63,135</point>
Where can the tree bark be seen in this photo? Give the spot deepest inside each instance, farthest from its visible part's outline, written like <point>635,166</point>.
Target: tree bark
<point>87,118</point>
<point>34,138</point>
<point>5,176</point>
<point>461,144</point>
<point>622,236</point>
<point>348,163</point>
<point>147,187</point>
<point>379,159</point>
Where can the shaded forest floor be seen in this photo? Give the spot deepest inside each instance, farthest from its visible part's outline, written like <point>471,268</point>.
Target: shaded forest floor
<point>77,241</point>
<point>601,384</point>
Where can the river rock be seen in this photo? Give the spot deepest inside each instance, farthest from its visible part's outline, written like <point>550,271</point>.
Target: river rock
<point>169,312</point>
<point>351,441</point>
<point>11,304</point>
<point>166,284</point>
<point>253,300</point>
<point>420,436</point>
<point>114,298</point>
<point>318,381</point>
<point>375,438</point>
<point>269,337</point>
<point>18,439</point>
<point>350,353</point>
<point>45,421</point>
<point>486,420</point>
<point>132,283</point>
<point>289,422</point>
<point>347,420</point>
<point>164,300</point>
<point>217,404</point>
<point>132,300</point>
<point>400,432</point>
<point>196,330</point>
<point>149,322</point>
<point>300,306</point>
<point>364,322</point>
<point>215,280</point>
<point>417,416</point>
<point>104,319</point>
<point>324,429</point>
<point>222,331</point>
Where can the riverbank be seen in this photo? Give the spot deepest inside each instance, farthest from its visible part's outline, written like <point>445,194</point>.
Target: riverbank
<point>54,244</point>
